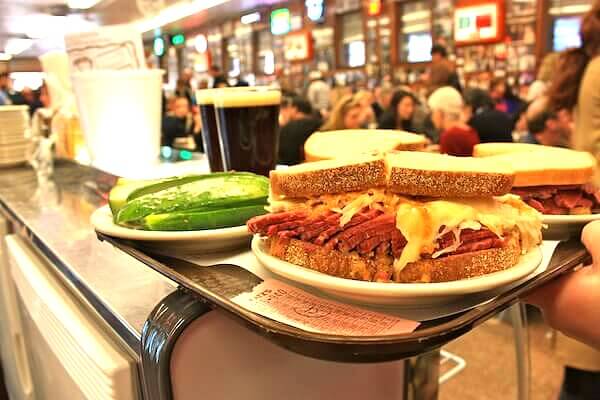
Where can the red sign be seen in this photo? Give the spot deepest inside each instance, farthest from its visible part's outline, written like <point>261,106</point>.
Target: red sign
<point>374,8</point>
<point>298,46</point>
<point>479,21</point>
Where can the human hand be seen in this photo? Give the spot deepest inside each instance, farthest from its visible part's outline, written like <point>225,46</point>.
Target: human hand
<point>571,303</point>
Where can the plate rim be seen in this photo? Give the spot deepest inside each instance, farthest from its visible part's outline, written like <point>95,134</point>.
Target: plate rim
<point>569,219</point>
<point>399,290</point>
<point>99,216</point>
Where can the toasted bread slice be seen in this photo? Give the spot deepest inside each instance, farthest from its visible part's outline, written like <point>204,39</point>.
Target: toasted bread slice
<point>335,144</point>
<point>438,175</point>
<point>329,177</point>
<point>494,149</point>
<point>542,165</point>
<point>444,269</point>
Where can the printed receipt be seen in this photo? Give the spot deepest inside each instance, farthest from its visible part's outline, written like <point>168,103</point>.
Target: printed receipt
<point>295,307</point>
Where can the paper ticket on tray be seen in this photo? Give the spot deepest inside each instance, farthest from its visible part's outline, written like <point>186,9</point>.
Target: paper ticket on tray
<point>295,307</point>
<point>114,47</point>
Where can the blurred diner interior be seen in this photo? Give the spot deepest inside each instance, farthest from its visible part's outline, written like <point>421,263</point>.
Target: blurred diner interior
<point>458,72</point>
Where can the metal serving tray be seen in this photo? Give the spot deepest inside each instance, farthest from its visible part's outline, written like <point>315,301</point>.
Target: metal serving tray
<point>217,286</point>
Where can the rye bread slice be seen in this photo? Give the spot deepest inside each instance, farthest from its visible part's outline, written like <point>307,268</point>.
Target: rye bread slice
<point>329,177</point>
<point>439,175</point>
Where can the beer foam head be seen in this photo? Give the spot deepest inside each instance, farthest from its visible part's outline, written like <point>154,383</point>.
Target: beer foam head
<point>207,96</point>
<point>252,97</point>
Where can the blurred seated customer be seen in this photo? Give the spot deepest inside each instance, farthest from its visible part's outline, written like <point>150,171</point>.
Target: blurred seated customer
<point>302,122</point>
<point>181,123</point>
<point>218,79</point>
<point>400,114</point>
<point>366,98</point>
<point>348,113</point>
<point>456,137</point>
<point>183,89</point>
<point>547,127</point>
<point>318,92</point>
<point>491,125</point>
<point>539,87</point>
<point>383,98</point>
<point>503,97</point>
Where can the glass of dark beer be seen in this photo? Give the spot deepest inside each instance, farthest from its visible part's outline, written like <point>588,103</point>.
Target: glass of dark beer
<point>248,128</point>
<point>210,132</point>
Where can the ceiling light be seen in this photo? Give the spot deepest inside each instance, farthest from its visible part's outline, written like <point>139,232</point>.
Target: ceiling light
<point>38,26</point>
<point>16,46</point>
<point>175,13</point>
<point>82,4</point>
<point>5,57</point>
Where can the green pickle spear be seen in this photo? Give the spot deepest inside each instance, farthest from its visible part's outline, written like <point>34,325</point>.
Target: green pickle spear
<point>193,220</point>
<point>221,194</point>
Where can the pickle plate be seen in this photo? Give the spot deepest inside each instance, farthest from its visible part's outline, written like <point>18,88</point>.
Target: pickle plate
<point>165,242</point>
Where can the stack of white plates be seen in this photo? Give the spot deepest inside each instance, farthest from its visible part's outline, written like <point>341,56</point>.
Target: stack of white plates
<point>14,135</point>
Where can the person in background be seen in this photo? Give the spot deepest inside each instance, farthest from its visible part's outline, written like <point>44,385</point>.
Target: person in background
<point>401,112</point>
<point>202,84</point>
<point>31,99</point>
<point>302,122</point>
<point>366,98</point>
<point>539,87</point>
<point>442,71</point>
<point>348,113</point>
<point>576,86</point>
<point>456,137</point>
<point>217,77</point>
<point>183,89</point>
<point>4,89</point>
<point>490,124</point>
<point>503,97</point>
<point>547,127</point>
<point>181,122</point>
<point>318,92</point>
<point>383,97</point>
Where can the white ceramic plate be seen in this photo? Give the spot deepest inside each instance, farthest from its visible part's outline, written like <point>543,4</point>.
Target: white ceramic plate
<point>570,219</point>
<point>396,294</point>
<point>189,242</point>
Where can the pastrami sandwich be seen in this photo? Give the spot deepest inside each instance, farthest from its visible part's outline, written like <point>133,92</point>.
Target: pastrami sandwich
<point>550,179</point>
<point>403,217</point>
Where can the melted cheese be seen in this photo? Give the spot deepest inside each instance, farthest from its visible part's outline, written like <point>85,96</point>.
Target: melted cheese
<point>420,223</point>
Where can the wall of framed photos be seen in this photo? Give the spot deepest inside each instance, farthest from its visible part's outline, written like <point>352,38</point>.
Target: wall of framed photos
<point>367,41</point>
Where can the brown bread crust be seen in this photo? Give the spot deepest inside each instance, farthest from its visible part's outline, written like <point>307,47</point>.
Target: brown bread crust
<point>417,182</point>
<point>347,178</point>
<point>353,266</point>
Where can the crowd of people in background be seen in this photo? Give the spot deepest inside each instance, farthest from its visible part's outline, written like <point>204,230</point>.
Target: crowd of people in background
<point>453,114</point>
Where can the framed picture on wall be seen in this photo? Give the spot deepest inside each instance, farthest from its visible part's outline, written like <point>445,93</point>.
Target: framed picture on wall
<point>479,21</point>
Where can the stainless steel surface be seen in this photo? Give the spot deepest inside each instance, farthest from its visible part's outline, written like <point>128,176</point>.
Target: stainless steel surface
<point>162,330</point>
<point>421,376</point>
<point>518,315</point>
<point>55,218</point>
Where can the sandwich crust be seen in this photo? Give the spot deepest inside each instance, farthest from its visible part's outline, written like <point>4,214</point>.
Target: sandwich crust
<point>419,182</point>
<point>537,165</point>
<point>334,144</point>
<point>328,177</point>
<point>443,269</point>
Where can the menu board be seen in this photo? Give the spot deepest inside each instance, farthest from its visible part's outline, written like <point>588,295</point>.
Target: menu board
<point>478,22</point>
